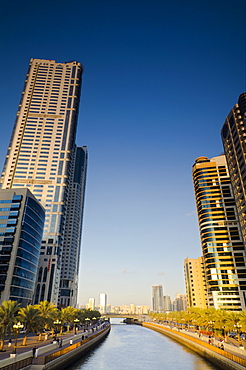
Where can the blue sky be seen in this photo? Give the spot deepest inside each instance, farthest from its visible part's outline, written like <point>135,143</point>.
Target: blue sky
<point>160,78</point>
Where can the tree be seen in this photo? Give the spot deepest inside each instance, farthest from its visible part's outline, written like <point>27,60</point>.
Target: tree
<point>220,319</point>
<point>32,320</point>
<point>8,312</point>
<point>232,322</point>
<point>68,314</point>
<point>242,320</point>
<point>48,313</point>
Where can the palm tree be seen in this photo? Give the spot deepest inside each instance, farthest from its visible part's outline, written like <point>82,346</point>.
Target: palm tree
<point>68,314</point>
<point>242,320</point>
<point>8,312</point>
<point>232,323</point>
<point>30,316</point>
<point>48,312</point>
<point>221,317</point>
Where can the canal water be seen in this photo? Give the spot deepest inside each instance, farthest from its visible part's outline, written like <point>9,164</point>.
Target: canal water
<point>136,348</point>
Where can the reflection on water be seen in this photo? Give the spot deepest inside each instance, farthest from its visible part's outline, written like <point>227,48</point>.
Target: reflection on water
<point>134,347</point>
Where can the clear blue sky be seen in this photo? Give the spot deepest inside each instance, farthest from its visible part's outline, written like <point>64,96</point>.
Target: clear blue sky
<point>160,77</point>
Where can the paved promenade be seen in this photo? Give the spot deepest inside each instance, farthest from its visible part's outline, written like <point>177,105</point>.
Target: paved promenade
<point>231,345</point>
<point>33,341</point>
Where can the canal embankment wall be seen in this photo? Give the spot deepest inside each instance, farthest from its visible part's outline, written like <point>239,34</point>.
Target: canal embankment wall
<point>221,358</point>
<point>49,358</point>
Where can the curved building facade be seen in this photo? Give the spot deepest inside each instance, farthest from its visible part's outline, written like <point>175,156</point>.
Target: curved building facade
<point>21,228</point>
<point>221,238</point>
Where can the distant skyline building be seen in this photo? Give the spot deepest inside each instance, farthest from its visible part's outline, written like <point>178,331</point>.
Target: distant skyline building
<point>157,298</point>
<point>42,157</point>
<point>195,282</point>
<point>167,303</point>
<point>103,303</point>
<point>91,305</point>
<point>21,224</point>
<point>221,239</point>
<point>179,303</point>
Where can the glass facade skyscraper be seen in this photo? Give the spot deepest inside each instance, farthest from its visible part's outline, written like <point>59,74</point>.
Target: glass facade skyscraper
<point>21,228</point>
<point>42,157</point>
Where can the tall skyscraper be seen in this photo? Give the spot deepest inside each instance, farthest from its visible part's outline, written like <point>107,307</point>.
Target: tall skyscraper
<point>221,239</point>
<point>73,230</point>
<point>21,224</point>
<point>195,282</point>
<point>103,303</point>
<point>42,157</point>
<point>234,140</point>
<point>157,298</point>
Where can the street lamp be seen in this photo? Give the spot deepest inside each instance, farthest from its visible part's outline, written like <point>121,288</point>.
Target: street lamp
<point>238,329</point>
<point>75,322</point>
<point>57,322</point>
<point>87,321</point>
<point>17,327</point>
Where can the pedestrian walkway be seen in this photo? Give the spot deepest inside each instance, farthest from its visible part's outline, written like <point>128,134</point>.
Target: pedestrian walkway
<point>231,345</point>
<point>33,341</point>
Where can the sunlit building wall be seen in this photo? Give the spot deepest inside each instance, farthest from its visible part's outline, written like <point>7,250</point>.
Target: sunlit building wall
<point>221,239</point>
<point>91,305</point>
<point>132,308</point>
<point>41,154</point>
<point>195,283</point>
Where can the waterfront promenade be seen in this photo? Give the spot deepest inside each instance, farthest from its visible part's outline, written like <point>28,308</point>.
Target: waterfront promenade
<point>69,344</point>
<point>231,357</point>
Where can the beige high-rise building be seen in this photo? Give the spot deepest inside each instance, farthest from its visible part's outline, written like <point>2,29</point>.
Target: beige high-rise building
<point>195,283</point>
<point>41,157</point>
<point>91,305</point>
<point>132,308</point>
<point>221,238</point>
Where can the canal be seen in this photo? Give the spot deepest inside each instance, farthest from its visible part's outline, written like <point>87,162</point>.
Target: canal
<point>134,347</point>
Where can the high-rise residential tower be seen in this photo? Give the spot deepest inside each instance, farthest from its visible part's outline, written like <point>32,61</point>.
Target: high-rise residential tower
<point>195,282</point>
<point>73,230</point>
<point>41,156</point>
<point>234,140</point>
<point>221,239</point>
<point>157,298</point>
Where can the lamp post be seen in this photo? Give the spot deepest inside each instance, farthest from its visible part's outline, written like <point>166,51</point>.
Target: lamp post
<point>17,327</point>
<point>238,329</point>
<point>57,322</point>
<point>75,325</point>
<point>87,321</point>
